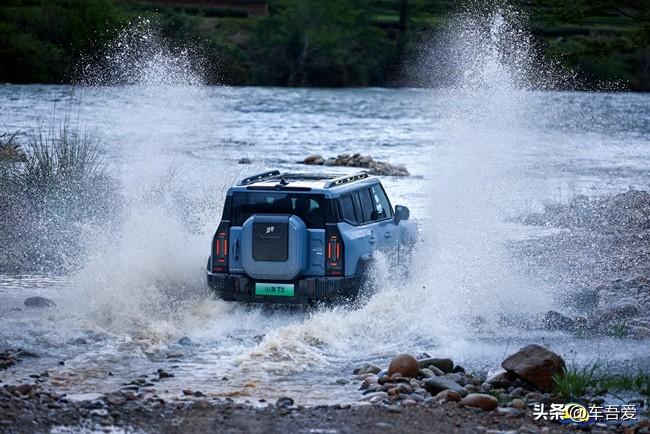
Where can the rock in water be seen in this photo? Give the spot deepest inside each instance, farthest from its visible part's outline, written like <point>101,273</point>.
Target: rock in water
<point>404,364</point>
<point>480,400</point>
<point>556,321</point>
<point>39,302</point>
<point>535,364</point>
<point>435,385</point>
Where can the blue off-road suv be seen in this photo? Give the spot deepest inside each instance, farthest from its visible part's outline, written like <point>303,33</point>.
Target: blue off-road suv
<point>304,238</point>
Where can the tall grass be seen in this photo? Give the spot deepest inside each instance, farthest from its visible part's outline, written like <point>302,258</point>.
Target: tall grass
<point>576,383</point>
<point>56,156</point>
<point>58,190</point>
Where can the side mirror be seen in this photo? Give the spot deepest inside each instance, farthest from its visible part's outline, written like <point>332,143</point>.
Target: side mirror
<point>401,213</point>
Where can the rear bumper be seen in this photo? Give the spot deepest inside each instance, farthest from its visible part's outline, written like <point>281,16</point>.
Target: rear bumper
<point>239,287</point>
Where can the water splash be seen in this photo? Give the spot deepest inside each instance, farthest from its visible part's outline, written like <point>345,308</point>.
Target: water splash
<point>140,55</point>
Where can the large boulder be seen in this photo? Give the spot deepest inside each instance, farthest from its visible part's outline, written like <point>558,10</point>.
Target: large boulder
<point>404,364</point>
<point>536,365</point>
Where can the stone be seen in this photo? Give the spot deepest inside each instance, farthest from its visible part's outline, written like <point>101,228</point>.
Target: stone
<point>480,400</point>
<point>640,332</point>
<point>536,365</point>
<point>404,364</point>
<point>371,396</point>
<point>38,302</point>
<point>556,321</point>
<point>500,378</point>
<point>518,403</point>
<point>313,159</point>
<point>445,365</point>
<point>510,412</point>
<point>367,368</point>
<point>426,373</point>
<point>185,341</point>
<point>435,385</point>
<point>244,161</point>
<point>330,162</point>
<point>114,399</point>
<point>284,401</point>
<point>24,389</point>
<point>164,374</point>
<point>448,395</point>
<point>623,308</point>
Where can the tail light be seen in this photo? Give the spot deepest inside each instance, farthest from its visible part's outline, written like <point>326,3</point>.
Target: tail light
<point>220,249</point>
<point>335,252</point>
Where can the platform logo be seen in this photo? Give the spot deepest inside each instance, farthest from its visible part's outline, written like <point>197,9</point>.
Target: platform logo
<point>270,229</point>
<point>585,415</point>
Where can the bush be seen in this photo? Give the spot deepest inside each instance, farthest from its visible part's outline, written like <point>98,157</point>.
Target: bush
<point>50,199</point>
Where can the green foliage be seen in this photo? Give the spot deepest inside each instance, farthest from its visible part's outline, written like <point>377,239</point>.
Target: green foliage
<point>322,43</point>
<point>576,382</point>
<point>330,43</point>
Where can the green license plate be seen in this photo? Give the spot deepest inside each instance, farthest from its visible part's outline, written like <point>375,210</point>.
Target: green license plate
<point>276,289</point>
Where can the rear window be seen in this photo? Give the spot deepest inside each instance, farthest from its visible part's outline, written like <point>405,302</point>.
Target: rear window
<point>309,207</point>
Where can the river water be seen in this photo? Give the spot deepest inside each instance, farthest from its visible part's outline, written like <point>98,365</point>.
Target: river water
<point>477,159</point>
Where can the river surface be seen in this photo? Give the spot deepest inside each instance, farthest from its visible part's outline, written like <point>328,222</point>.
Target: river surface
<point>477,160</point>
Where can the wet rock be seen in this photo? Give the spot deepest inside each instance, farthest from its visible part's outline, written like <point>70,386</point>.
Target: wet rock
<point>115,399</point>
<point>164,374</point>
<point>38,302</point>
<point>375,396</point>
<point>244,161</point>
<point>448,395</point>
<point>367,368</point>
<point>315,159</point>
<point>368,381</point>
<point>185,341</point>
<point>480,400</point>
<point>404,364</point>
<point>78,341</point>
<point>536,365</point>
<point>556,321</point>
<point>284,402</point>
<point>436,385</point>
<point>445,365</point>
<point>24,389</point>
<point>426,373</point>
<point>622,309</point>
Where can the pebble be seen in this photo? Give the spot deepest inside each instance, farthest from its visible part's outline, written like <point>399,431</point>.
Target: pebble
<point>518,403</point>
<point>445,365</point>
<point>38,302</point>
<point>438,384</point>
<point>480,400</point>
<point>448,395</point>
<point>284,401</point>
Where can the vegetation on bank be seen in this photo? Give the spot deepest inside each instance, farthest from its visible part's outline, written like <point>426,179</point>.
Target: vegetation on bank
<point>311,42</point>
<point>53,187</point>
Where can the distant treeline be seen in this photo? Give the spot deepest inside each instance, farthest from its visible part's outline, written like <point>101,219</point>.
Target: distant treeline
<point>316,42</point>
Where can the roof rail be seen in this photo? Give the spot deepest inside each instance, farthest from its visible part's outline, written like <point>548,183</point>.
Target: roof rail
<point>346,179</point>
<point>259,177</point>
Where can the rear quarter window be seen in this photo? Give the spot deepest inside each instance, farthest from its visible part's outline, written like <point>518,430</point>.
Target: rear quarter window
<point>347,206</point>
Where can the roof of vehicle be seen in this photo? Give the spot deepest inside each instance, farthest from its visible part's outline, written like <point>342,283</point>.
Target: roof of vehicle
<point>314,182</point>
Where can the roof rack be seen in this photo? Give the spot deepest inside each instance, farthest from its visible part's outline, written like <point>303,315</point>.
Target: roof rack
<point>346,179</point>
<point>259,177</point>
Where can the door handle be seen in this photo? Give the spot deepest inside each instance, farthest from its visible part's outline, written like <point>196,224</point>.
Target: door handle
<point>235,249</point>
<point>372,238</point>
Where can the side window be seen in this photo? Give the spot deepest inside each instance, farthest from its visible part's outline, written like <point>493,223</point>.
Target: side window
<point>367,206</point>
<point>347,205</point>
<point>382,206</point>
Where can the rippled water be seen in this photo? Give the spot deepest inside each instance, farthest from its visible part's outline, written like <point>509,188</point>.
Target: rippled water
<point>476,158</point>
